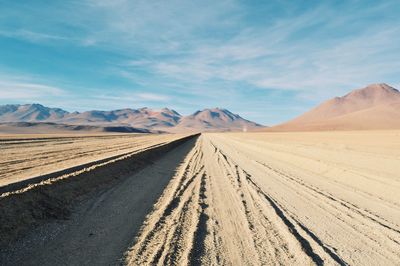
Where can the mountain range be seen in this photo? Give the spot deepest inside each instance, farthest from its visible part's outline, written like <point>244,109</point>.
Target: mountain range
<point>168,120</point>
<point>376,106</point>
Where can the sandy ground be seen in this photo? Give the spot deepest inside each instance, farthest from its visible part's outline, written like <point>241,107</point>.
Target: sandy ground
<point>102,227</point>
<point>26,156</point>
<point>240,199</point>
<point>290,199</point>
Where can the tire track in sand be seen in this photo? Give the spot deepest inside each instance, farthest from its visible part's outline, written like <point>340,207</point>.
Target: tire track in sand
<point>225,208</point>
<point>211,215</point>
<point>166,236</point>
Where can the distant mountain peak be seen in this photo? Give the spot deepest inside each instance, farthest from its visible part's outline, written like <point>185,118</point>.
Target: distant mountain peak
<point>29,113</point>
<point>215,109</point>
<point>377,90</point>
<point>374,106</point>
<point>381,86</point>
<point>215,119</point>
<point>170,111</point>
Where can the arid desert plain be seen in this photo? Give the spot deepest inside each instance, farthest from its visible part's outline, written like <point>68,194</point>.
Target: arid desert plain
<point>211,133</point>
<point>269,198</point>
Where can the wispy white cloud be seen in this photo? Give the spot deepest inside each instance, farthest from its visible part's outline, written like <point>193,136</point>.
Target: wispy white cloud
<point>197,43</point>
<point>30,35</point>
<point>153,97</point>
<point>17,90</point>
<point>134,98</point>
<point>266,58</point>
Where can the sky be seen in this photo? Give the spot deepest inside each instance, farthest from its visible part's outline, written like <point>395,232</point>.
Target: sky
<point>268,61</point>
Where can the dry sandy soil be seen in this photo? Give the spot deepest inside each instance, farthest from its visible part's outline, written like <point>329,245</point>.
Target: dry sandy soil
<point>27,156</point>
<point>291,199</point>
<point>239,199</point>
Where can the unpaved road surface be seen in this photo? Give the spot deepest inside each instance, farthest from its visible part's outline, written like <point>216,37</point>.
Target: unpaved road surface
<point>259,199</point>
<point>101,228</point>
<point>26,156</point>
<point>240,199</point>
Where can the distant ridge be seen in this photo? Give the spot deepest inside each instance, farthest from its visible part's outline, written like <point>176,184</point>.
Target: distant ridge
<point>48,127</point>
<point>376,106</point>
<point>215,119</point>
<point>143,118</point>
<point>29,113</point>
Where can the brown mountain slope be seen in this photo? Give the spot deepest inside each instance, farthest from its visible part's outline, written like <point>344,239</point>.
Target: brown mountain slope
<point>376,106</point>
<point>214,119</point>
<point>142,118</point>
<point>29,113</point>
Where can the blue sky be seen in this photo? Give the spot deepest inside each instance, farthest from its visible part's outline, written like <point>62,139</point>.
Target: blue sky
<point>266,60</point>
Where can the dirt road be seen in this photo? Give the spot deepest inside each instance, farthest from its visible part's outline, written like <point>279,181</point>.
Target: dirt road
<point>99,227</point>
<point>26,156</point>
<point>243,199</point>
